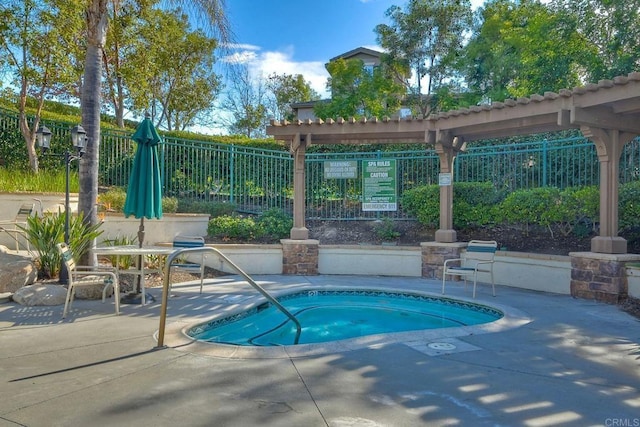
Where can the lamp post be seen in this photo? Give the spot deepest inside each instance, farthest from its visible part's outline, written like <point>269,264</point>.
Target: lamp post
<point>78,138</point>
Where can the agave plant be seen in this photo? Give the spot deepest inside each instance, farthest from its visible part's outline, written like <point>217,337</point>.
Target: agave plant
<point>45,232</point>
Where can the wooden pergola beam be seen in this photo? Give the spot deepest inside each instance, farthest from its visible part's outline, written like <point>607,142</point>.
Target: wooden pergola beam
<point>609,109</point>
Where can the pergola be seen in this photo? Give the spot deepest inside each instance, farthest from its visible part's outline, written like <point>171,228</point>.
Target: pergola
<point>608,113</point>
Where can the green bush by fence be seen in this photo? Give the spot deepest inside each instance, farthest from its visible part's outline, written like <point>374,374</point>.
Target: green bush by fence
<point>573,210</point>
<point>474,204</point>
<point>272,225</point>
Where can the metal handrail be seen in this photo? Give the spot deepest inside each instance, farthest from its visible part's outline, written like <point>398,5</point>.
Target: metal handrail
<point>165,289</point>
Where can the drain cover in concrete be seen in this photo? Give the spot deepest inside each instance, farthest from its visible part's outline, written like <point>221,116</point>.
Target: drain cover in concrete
<point>441,346</point>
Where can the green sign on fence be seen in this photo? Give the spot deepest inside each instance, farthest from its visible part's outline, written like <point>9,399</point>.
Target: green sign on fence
<point>379,186</point>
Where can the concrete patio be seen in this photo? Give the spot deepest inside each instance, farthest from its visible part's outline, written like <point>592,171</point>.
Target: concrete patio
<point>555,361</point>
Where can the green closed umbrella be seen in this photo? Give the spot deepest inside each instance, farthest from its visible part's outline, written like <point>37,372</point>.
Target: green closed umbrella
<point>144,193</point>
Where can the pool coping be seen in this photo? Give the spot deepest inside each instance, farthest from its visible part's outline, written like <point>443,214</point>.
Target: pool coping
<point>176,336</point>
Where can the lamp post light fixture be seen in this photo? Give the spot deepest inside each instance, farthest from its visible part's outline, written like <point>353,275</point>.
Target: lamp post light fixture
<point>79,139</point>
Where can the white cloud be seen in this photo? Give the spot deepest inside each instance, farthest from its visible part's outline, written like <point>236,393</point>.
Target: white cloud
<point>242,57</point>
<point>244,46</point>
<point>279,62</point>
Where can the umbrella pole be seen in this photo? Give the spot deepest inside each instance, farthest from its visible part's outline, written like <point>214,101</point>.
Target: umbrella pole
<point>140,260</point>
<point>141,232</point>
<point>136,296</point>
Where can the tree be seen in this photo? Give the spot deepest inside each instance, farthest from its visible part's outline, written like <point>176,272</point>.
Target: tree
<point>612,28</point>
<point>427,37</point>
<point>37,42</point>
<point>120,70</point>
<point>523,48</point>
<point>287,89</point>
<point>246,101</point>
<point>183,83</point>
<point>358,91</point>
<point>155,63</point>
<point>96,16</point>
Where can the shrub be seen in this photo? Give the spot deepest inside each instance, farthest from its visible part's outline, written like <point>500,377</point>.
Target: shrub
<point>45,232</point>
<point>275,223</point>
<point>536,206</point>
<point>169,205</point>
<point>13,153</point>
<point>578,209</point>
<point>385,229</point>
<point>423,203</point>
<point>228,227</point>
<point>549,207</point>
<point>473,204</point>
<point>629,205</point>
<point>113,201</point>
<point>120,261</point>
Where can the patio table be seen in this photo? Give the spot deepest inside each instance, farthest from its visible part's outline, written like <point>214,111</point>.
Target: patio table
<point>133,250</point>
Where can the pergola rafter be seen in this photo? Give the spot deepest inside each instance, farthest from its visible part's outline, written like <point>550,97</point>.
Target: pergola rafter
<point>608,113</point>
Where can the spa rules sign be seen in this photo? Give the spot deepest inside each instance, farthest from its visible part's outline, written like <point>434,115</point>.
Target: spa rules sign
<point>379,185</point>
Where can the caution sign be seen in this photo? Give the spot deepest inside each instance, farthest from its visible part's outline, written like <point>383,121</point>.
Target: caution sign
<point>379,185</point>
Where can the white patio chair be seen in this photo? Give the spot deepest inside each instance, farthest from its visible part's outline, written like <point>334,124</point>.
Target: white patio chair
<point>11,227</point>
<point>88,276</point>
<point>478,257</point>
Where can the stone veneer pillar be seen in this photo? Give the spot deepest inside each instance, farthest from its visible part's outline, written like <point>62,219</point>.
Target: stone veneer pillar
<point>300,257</point>
<point>434,254</point>
<point>602,277</point>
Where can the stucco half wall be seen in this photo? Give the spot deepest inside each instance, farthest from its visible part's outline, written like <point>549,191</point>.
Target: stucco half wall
<point>545,273</point>
<point>370,260</point>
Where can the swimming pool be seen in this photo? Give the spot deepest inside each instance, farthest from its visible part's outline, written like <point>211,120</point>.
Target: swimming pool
<point>332,315</point>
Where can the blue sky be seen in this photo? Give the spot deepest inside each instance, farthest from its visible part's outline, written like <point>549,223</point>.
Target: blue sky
<point>299,37</point>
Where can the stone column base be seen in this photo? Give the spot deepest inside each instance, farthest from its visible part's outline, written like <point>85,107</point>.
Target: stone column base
<point>602,277</point>
<point>446,236</point>
<point>299,233</point>
<point>300,257</point>
<point>434,254</point>
<point>609,245</point>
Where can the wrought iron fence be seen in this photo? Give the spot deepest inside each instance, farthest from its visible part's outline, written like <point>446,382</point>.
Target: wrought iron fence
<point>559,163</point>
<point>255,180</point>
<point>341,198</point>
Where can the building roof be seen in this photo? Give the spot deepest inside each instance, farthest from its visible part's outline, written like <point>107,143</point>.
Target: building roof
<point>357,51</point>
